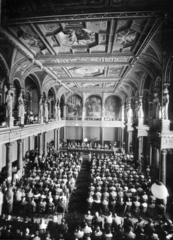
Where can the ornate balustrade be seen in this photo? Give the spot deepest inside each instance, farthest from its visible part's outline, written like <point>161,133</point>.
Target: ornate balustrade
<point>17,132</point>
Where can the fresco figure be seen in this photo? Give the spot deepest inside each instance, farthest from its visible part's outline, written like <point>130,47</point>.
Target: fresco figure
<point>74,106</point>
<point>93,107</point>
<point>112,107</point>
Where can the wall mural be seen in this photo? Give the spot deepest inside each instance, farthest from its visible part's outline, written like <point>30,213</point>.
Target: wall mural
<point>112,107</point>
<point>93,107</point>
<point>74,106</point>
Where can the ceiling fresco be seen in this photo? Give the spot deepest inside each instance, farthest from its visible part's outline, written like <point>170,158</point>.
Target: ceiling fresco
<point>89,45</point>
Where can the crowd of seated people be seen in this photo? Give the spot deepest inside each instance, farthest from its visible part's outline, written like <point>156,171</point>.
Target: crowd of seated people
<point>47,184</point>
<point>117,186</point>
<point>119,205</point>
<point>88,145</point>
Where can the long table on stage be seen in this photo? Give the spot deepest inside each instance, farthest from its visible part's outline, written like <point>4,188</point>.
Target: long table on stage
<point>87,151</point>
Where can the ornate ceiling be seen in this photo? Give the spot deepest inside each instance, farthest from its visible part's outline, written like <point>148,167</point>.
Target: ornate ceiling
<point>90,45</point>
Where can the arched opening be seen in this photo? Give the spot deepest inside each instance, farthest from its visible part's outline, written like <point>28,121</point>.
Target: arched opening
<point>51,100</point>
<point>31,95</point>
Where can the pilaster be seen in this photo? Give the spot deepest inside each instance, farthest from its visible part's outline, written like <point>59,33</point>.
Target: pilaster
<point>9,161</point>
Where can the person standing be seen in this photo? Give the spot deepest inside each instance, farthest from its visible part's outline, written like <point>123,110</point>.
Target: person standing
<point>9,199</point>
<point>1,201</point>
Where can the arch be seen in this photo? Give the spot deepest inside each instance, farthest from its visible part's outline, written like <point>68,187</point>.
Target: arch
<point>35,79</point>
<point>19,66</point>
<point>167,77</point>
<point>4,63</point>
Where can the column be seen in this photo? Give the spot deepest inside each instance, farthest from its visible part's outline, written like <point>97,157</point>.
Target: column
<point>154,163</point>
<point>31,142</point>
<point>83,133</point>
<point>45,143</point>
<point>162,176</point>
<point>119,136</point>
<point>103,113</point>
<point>23,148</point>
<point>65,133</point>
<point>1,156</point>
<point>122,114</point>
<point>19,155</point>
<point>128,141</point>
<point>9,161</point>
<point>55,139</point>
<point>140,151</point>
<point>122,136</point>
<point>40,144</point>
<point>30,103</point>
<point>64,112</point>
<point>150,154</point>
<point>102,135</point>
<point>83,112</point>
<point>58,138</point>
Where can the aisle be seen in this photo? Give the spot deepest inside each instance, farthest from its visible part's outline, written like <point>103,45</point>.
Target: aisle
<point>78,199</point>
<point>77,203</point>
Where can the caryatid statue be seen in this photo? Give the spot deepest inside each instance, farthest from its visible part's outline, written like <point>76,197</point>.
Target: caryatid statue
<point>165,103</point>
<point>46,112</point>
<point>59,111</point>
<point>41,109</point>
<point>9,104</point>
<point>156,106</point>
<point>140,108</point>
<point>21,109</point>
<point>83,112</point>
<point>129,112</point>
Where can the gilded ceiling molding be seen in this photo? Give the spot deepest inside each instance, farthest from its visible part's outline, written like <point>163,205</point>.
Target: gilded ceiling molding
<point>83,17</point>
<point>15,42</point>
